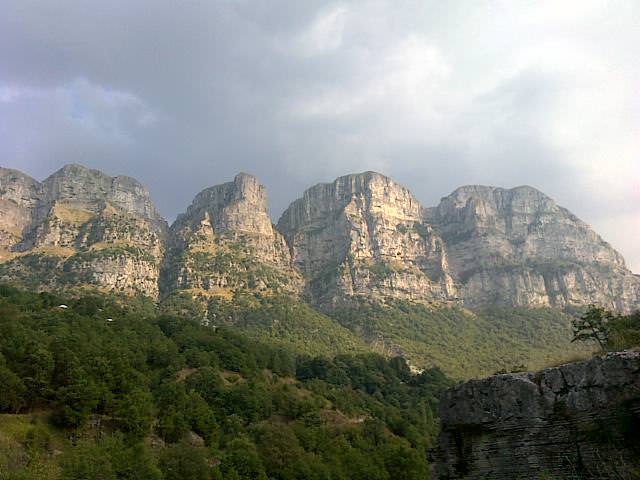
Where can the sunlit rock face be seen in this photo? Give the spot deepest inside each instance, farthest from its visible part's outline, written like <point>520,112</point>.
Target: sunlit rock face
<point>80,227</point>
<point>226,242</point>
<point>19,196</point>
<point>578,420</point>
<point>364,236</point>
<point>519,247</point>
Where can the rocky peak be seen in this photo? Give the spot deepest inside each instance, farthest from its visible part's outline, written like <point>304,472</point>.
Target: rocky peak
<point>370,191</point>
<point>527,219</point>
<point>80,185</point>
<point>510,211</point>
<point>237,206</point>
<point>19,195</point>
<point>86,227</point>
<point>225,241</point>
<point>18,187</point>
<point>518,246</point>
<point>364,235</point>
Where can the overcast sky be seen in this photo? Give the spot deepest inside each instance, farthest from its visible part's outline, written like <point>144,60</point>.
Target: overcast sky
<point>437,94</point>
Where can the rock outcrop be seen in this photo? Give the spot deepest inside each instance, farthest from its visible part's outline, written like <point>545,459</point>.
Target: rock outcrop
<point>80,227</point>
<point>226,242</point>
<point>578,420</point>
<point>519,247</point>
<point>19,196</point>
<point>364,236</point>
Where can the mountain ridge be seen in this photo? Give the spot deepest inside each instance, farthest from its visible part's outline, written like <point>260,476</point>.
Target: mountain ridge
<point>361,236</point>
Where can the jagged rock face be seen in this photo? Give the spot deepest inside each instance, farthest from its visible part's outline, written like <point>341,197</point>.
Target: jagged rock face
<point>77,184</point>
<point>578,420</point>
<point>93,229</point>
<point>364,236</point>
<point>19,195</point>
<point>226,242</point>
<point>518,247</point>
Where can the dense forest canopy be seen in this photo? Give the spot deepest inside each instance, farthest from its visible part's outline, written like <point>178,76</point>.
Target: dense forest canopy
<point>107,387</point>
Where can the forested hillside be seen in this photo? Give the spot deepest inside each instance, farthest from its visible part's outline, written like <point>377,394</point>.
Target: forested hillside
<point>465,343</point>
<point>106,387</point>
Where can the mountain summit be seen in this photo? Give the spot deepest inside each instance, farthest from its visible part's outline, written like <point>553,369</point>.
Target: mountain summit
<point>225,242</point>
<point>80,227</point>
<point>519,247</point>
<point>363,236</point>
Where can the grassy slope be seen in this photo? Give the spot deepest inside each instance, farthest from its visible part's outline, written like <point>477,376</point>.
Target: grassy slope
<point>463,343</point>
<point>30,445</point>
<point>288,323</point>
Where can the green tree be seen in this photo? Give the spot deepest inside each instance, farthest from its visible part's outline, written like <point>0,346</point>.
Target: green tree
<point>184,462</point>
<point>624,332</point>
<point>242,461</point>
<point>593,325</point>
<point>133,462</point>
<point>13,390</point>
<point>135,410</point>
<point>76,400</point>
<point>202,419</point>
<point>87,460</point>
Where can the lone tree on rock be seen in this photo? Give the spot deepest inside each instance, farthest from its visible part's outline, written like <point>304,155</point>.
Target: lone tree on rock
<point>593,325</point>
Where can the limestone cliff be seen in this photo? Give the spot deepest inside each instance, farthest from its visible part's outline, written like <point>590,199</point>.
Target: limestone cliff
<point>80,227</point>
<point>364,236</point>
<point>518,247</point>
<point>225,242</point>
<point>578,420</point>
<point>19,196</point>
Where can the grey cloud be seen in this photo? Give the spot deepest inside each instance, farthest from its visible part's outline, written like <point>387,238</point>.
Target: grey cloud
<point>436,94</point>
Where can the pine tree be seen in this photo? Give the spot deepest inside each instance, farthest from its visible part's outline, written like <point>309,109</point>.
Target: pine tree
<point>593,325</point>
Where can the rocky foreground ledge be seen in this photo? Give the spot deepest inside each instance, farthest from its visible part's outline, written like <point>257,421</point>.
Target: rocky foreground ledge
<point>579,420</point>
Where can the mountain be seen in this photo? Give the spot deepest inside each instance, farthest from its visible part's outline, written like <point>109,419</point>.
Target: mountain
<point>225,242</point>
<point>518,247</point>
<point>80,227</point>
<point>365,236</point>
<point>362,236</point>
<point>355,264</point>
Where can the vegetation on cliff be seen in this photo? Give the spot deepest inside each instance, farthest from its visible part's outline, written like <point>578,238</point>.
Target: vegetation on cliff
<point>287,322</point>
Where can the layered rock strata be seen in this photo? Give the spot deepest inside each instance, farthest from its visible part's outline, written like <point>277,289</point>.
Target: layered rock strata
<point>80,227</point>
<point>578,420</point>
<point>519,247</point>
<point>225,242</point>
<point>19,197</point>
<point>364,236</point>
